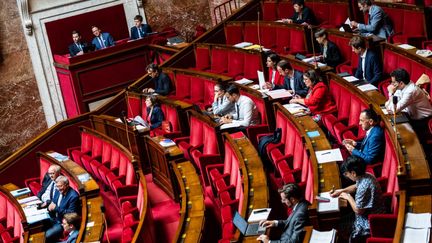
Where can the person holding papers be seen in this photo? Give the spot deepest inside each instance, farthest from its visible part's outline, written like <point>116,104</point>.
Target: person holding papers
<point>371,148</point>
<point>162,82</point>
<point>221,105</point>
<point>379,23</point>
<point>66,200</point>
<point>155,115</point>
<point>71,224</point>
<point>330,53</point>
<point>46,193</point>
<point>140,30</point>
<point>274,77</point>
<point>101,40</point>
<point>367,197</point>
<point>369,65</point>
<point>302,14</point>
<point>291,196</point>
<point>318,98</point>
<point>412,100</point>
<point>245,114</point>
<point>293,80</point>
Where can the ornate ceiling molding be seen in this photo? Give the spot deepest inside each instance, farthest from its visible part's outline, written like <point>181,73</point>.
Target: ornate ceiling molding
<point>25,15</point>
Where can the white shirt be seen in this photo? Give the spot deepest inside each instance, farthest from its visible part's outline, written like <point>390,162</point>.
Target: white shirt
<point>363,56</point>
<point>222,106</point>
<point>46,195</point>
<point>412,100</point>
<point>247,113</point>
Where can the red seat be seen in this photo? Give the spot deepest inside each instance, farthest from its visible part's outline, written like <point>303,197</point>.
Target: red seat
<point>202,57</point>
<point>233,33</point>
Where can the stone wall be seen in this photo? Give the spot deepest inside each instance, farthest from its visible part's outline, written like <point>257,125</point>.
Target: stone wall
<point>21,113</point>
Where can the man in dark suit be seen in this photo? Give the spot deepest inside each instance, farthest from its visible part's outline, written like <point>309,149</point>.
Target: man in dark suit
<point>46,193</point>
<point>162,82</point>
<point>66,200</point>
<point>369,65</point>
<point>71,223</point>
<point>101,40</point>
<point>291,196</point>
<point>293,80</point>
<point>77,48</point>
<point>371,147</point>
<point>140,30</point>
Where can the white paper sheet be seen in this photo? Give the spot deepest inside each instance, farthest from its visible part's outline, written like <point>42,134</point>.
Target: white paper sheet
<point>323,236</point>
<point>366,87</point>
<point>259,214</point>
<point>350,78</point>
<point>328,207</point>
<point>418,220</point>
<point>261,79</point>
<point>416,235</point>
<point>279,93</point>
<point>330,155</point>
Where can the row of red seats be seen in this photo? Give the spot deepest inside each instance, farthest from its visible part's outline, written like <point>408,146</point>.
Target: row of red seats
<point>328,14</point>
<point>290,158</point>
<point>282,38</point>
<point>113,165</point>
<point>106,160</point>
<point>12,218</point>
<point>229,61</point>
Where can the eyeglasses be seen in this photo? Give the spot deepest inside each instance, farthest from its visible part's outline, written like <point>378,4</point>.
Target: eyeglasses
<point>216,90</point>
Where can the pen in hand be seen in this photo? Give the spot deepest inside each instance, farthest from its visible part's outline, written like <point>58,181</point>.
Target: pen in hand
<point>332,190</point>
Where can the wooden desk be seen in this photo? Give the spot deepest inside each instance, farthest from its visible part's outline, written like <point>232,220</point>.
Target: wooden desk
<point>37,238</point>
<point>160,159</point>
<point>192,207</point>
<point>92,214</point>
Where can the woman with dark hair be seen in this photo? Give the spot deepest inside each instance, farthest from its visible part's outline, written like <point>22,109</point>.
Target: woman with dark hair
<point>318,98</point>
<point>302,14</point>
<point>367,199</point>
<point>274,77</point>
<point>330,53</point>
<point>155,114</point>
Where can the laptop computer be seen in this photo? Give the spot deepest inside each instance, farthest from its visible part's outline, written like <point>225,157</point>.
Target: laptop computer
<point>245,228</point>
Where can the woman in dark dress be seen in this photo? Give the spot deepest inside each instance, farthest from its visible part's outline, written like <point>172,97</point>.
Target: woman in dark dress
<point>330,53</point>
<point>155,114</point>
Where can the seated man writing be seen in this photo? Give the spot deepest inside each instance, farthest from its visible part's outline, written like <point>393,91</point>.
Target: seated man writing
<point>292,197</point>
<point>162,82</point>
<point>246,113</point>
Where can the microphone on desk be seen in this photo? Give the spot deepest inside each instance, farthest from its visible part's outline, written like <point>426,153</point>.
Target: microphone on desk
<point>395,101</point>
<point>123,114</point>
<point>258,28</point>
<point>102,208</point>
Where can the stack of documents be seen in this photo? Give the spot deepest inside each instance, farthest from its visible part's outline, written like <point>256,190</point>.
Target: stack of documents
<point>328,207</point>
<point>20,192</point>
<point>167,143</point>
<point>366,87</point>
<point>313,60</point>
<point>406,46</point>
<point>323,236</point>
<point>417,227</point>
<point>279,93</point>
<point>243,44</point>
<point>58,156</point>
<point>244,81</point>
<point>297,109</point>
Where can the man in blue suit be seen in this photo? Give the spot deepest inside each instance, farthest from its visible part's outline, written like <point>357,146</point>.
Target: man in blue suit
<point>369,65</point>
<point>71,223</point>
<point>65,200</point>
<point>379,23</point>
<point>101,40</point>
<point>371,147</point>
<point>293,80</point>
<point>140,30</point>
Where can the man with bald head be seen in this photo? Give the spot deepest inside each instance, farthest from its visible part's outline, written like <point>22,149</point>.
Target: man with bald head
<point>48,185</point>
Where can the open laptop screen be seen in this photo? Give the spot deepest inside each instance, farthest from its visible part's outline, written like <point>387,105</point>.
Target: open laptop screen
<point>240,223</point>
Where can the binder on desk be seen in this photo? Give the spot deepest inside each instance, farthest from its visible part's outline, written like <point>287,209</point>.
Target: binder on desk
<point>323,236</point>
<point>328,207</point>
